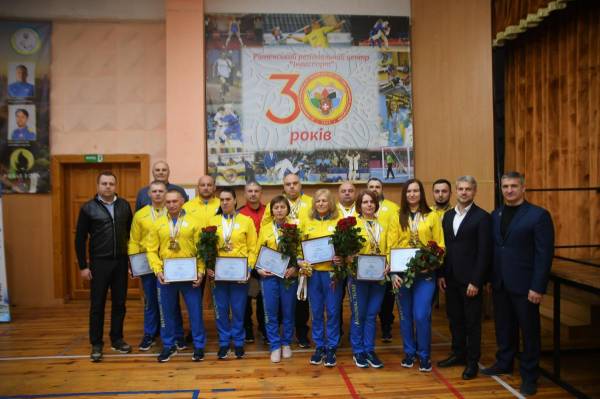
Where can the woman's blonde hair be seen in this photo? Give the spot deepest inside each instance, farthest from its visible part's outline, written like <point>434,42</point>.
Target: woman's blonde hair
<point>333,210</point>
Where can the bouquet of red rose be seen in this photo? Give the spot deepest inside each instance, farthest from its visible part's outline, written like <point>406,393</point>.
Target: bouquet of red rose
<point>207,246</point>
<point>347,242</point>
<point>289,244</point>
<point>426,260</point>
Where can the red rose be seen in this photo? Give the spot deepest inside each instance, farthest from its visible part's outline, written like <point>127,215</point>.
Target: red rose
<point>209,229</point>
<point>351,220</point>
<point>289,226</point>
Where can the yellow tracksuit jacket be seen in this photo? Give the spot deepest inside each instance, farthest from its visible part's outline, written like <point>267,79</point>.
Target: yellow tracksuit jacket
<point>243,237</point>
<point>158,242</point>
<point>315,228</point>
<point>141,227</point>
<point>200,211</point>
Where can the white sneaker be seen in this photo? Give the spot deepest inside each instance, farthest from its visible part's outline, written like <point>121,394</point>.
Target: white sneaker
<point>286,351</point>
<point>276,356</point>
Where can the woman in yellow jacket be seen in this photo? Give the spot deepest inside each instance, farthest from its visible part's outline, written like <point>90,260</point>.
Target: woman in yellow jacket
<point>237,238</point>
<point>278,294</point>
<point>366,296</point>
<point>323,293</point>
<point>418,226</point>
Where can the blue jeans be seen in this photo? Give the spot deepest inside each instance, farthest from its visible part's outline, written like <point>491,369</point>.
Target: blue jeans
<point>230,296</point>
<point>275,294</point>
<point>414,306</point>
<point>323,297</point>
<point>168,299</point>
<point>365,302</point>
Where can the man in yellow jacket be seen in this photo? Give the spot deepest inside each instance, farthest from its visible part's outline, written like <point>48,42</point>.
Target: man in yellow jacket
<point>141,227</point>
<point>175,236</point>
<point>388,215</point>
<point>442,190</point>
<point>205,205</point>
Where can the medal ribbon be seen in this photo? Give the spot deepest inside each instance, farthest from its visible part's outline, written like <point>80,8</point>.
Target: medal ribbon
<point>413,223</point>
<point>345,212</point>
<point>174,229</point>
<point>374,233</point>
<point>156,215</point>
<point>227,228</point>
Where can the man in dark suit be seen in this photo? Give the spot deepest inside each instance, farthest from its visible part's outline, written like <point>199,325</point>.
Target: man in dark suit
<point>523,237</point>
<point>467,234</point>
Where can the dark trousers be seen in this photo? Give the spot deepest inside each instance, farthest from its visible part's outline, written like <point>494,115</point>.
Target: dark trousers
<point>514,314</point>
<point>301,322</point>
<point>390,171</point>
<point>113,274</point>
<point>260,314</point>
<point>464,315</point>
<point>386,314</point>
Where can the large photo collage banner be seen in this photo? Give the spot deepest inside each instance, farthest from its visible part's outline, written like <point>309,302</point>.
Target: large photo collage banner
<point>24,107</point>
<point>327,97</point>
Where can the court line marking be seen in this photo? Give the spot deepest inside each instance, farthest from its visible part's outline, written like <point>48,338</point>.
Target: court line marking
<point>195,393</point>
<point>450,387</point>
<point>348,383</point>
<point>142,355</point>
<point>505,384</point>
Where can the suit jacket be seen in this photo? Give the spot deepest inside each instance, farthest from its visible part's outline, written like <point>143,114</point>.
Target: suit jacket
<point>469,252</point>
<point>522,260</point>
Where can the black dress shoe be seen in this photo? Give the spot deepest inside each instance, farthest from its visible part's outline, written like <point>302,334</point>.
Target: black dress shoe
<point>528,388</point>
<point>452,360</point>
<point>470,372</point>
<point>495,370</point>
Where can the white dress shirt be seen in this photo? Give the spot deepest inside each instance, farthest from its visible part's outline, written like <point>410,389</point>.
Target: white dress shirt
<point>459,217</point>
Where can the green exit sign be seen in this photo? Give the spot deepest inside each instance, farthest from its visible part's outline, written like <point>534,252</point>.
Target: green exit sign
<point>93,158</point>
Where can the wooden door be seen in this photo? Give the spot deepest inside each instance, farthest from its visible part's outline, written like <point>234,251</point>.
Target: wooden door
<point>79,186</point>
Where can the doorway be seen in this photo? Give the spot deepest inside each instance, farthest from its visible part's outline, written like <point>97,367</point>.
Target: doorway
<point>74,183</point>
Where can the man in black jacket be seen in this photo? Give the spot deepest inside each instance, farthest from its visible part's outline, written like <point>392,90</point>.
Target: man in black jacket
<point>106,221</point>
<point>467,234</point>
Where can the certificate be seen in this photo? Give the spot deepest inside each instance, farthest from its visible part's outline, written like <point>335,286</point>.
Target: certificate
<point>370,267</point>
<point>272,261</point>
<point>139,265</point>
<point>231,269</point>
<point>399,258</point>
<point>180,269</point>
<point>318,250</point>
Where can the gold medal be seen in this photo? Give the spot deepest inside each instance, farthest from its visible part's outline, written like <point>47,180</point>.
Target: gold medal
<point>227,247</point>
<point>173,245</point>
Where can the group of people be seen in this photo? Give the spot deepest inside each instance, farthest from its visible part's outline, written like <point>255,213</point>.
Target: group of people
<point>512,249</point>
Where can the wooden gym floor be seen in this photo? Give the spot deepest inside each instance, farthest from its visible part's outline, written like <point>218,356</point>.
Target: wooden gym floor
<point>44,353</point>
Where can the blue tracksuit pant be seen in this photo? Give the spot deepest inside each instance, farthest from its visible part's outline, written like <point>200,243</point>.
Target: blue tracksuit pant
<point>276,295</point>
<point>152,311</point>
<point>323,297</point>
<point>365,302</point>
<point>168,299</point>
<point>230,297</point>
<point>414,306</point>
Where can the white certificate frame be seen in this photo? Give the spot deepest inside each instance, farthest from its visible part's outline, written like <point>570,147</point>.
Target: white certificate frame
<point>272,261</point>
<point>370,262</point>
<point>399,258</point>
<point>323,246</point>
<point>231,268</point>
<point>176,270</point>
<point>139,265</point>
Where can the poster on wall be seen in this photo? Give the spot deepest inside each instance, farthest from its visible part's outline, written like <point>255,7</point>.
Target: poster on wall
<point>328,97</point>
<point>24,107</point>
<point>4,302</point>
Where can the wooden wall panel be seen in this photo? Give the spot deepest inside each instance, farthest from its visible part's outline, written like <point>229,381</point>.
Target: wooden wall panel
<point>452,86</point>
<point>28,245</point>
<point>553,119</point>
